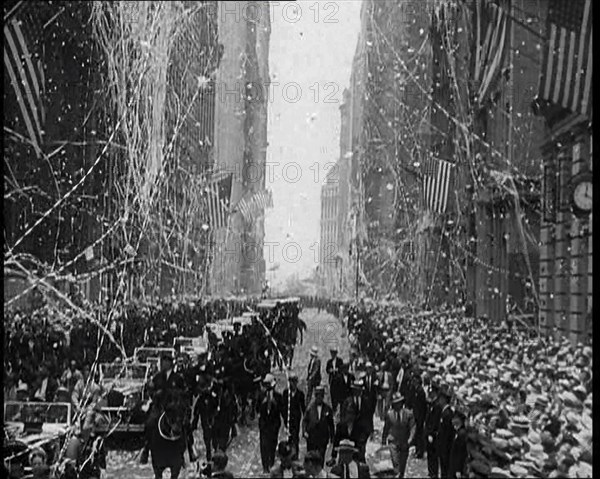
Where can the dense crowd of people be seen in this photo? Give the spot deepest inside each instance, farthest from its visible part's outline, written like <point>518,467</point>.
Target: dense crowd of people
<point>521,403</point>
<point>475,400</point>
<point>54,359</point>
<point>41,348</point>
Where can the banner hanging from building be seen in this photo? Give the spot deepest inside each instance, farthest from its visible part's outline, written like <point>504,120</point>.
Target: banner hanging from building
<point>24,68</point>
<point>566,77</point>
<point>492,35</point>
<point>218,197</point>
<point>255,206</point>
<point>437,178</point>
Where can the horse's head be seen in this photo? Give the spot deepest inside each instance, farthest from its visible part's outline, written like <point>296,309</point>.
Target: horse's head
<point>174,418</point>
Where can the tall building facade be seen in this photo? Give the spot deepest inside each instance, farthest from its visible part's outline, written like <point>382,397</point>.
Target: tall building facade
<point>335,268</point>
<point>388,129</point>
<point>55,128</point>
<point>329,259</point>
<point>238,265</point>
<point>566,249</point>
<point>74,217</point>
<point>490,250</point>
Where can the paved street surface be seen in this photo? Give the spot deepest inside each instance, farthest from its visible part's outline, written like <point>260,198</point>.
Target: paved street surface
<point>244,454</point>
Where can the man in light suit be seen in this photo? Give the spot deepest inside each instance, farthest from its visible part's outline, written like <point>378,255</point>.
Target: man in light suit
<point>313,378</point>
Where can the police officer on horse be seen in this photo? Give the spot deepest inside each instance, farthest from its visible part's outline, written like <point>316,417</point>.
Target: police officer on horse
<point>166,387</point>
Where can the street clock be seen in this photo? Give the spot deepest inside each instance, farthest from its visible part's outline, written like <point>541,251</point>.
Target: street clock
<point>581,189</point>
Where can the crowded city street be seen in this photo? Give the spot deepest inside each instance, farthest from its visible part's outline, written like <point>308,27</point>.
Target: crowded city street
<point>323,331</point>
<point>326,239</point>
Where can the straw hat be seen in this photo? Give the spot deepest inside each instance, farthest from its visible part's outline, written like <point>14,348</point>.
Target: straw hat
<point>397,398</point>
<point>518,470</point>
<point>23,387</point>
<point>480,467</point>
<point>314,351</point>
<point>542,401</point>
<point>269,380</point>
<point>497,472</point>
<point>534,438</point>
<point>449,362</point>
<point>346,445</point>
<point>500,443</point>
<point>515,443</point>
<point>536,454</point>
<point>504,433</point>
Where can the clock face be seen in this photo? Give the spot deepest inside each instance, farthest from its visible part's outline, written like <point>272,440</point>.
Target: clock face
<point>582,196</point>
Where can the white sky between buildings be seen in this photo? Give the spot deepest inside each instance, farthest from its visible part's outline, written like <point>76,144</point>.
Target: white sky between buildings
<point>311,60</point>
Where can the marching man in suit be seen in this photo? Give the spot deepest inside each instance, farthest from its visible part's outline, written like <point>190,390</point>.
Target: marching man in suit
<point>400,425</point>
<point>371,390</point>
<point>334,371</point>
<point>293,398</point>
<point>313,378</point>
<point>359,402</point>
<point>269,422</point>
<point>349,429</point>
<point>445,431</point>
<point>318,423</point>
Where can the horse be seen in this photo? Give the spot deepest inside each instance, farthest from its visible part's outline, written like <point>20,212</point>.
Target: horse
<point>245,382</point>
<point>167,436</point>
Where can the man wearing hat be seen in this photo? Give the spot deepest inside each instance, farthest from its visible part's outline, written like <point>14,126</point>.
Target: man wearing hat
<point>334,371</point>
<point>432,424</point>
<point>419,408</point>
<point>350,429</point>
<point>165,382</point>
<point>347,466</point>
<point>313,378</point>
<point>318,423</point>
<point>371,389</point>
<point>458,452</point>
<point>269,422</point>
<point>400,425</point>
<point>162,386</point>
<point>445,430</point>
<point>343,385</point>
<point>359,402</point>
<point>293,406</point>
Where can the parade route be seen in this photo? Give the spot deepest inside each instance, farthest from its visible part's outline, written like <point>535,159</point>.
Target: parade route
<point>323,331</point>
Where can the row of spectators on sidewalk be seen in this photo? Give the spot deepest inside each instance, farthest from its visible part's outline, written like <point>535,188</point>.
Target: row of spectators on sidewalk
<point>526,399</point>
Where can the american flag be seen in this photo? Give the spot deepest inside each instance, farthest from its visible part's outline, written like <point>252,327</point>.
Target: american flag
<point>492,34</point>
<point>255,206</point>
<point>24,68</point>
<point>566,77</point>
<point>218,195</point>
<point>437,176</point>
